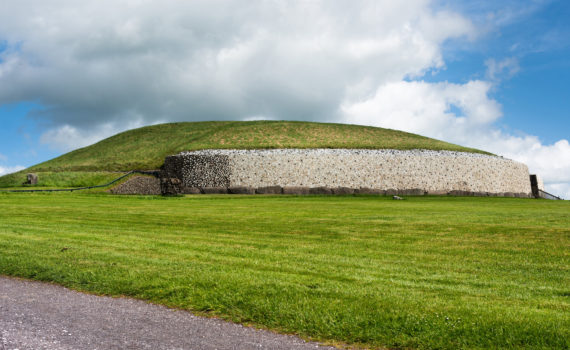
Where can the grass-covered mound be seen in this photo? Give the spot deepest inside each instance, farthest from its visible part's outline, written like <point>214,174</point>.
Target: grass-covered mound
<point>146,148</point>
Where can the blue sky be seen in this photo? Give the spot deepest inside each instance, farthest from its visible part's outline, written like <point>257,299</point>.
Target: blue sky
<point>486,74</point>
<point>536,99</point>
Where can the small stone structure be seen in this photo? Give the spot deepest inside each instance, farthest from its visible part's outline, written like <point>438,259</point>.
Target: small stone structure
<point>31,179</point>
<point>343,171</point>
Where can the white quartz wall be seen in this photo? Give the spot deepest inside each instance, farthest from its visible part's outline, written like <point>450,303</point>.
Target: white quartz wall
<point>431,171</point>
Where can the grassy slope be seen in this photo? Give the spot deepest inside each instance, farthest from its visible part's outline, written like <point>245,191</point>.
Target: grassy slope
<point>426,272</point>
<point>59,179</point>
<point>145,148</point>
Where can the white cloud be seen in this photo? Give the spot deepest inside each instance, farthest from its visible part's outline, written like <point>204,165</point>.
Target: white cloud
<point>67,137</point>
<point>500,70</point>
<point>104,62</point>
<point>8,169</point>
<point>561,190</point>
<point>425,108</point>
<point>4,170</point>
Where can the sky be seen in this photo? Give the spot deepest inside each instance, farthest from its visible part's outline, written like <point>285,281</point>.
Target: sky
<point>489,74</point>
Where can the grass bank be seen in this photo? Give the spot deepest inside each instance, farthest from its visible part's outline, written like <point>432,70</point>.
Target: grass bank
<point>63,179</point>
<point>427,272</point>
<point>146,148</point>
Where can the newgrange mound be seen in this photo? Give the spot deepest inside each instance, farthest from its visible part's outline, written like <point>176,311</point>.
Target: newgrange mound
<point>265,155</point>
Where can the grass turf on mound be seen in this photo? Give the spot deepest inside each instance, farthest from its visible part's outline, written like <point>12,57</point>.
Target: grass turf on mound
<point>427,272</point>
<point>146,148</point>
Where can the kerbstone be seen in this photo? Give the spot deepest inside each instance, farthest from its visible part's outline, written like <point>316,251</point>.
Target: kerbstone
<point>366,190</point>
<point>296,190</point>
<point>343,190</point>
<point>214,190</point>
<point>269,190</point>
<point>320,190</point>
<point>241,190</point>
<point>191,190</point>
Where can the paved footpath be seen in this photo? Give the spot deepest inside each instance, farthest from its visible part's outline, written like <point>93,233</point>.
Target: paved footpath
<point>40,316</point>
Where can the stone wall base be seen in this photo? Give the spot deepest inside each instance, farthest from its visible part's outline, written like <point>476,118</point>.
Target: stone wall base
<point>297,190</point>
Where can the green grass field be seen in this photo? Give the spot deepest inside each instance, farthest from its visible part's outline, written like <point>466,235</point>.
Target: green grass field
<point>426,272</point>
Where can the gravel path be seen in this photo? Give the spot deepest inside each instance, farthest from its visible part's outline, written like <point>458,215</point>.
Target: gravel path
<point>40,316</point>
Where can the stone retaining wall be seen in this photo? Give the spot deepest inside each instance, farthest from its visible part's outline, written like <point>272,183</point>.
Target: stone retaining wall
<point>145,185</point>
<point>346,171</point>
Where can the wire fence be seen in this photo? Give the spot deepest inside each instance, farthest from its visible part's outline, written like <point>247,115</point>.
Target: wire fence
<point>153,173</point>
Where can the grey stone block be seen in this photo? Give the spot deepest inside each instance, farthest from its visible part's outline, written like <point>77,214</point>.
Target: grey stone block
<point>31,179</point>
<point>523,195</point>
<point>481,194</point>
<point>437,193</point>
<point>343,190</point>
<point>241,190</point>
<point>214,190</point>
<point>295,190</point>
<point>269,190</point>
<point>391,192</point>
<point>366,190</point>
<point>191,190</point>
<point>170,186</point>
<point>460,193</point>
<point>320,190</point>
<point>412,192</point>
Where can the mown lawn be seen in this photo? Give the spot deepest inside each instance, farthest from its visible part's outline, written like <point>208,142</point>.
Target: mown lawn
<point>426,272</point>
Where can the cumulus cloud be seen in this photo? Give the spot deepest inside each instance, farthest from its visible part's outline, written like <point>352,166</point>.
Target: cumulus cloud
<point>68,137</point>
<point>503,69</point>
<point>426,108</point>
<point>8,169</point>
<point>107,61</point>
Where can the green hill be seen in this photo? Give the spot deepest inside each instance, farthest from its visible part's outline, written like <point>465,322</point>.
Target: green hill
<point>146,148</point>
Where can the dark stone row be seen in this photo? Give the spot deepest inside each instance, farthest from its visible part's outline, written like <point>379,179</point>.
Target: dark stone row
<point>269,190</point>
<point>301,190</point>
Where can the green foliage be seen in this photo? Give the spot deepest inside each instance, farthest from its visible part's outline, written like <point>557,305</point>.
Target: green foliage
<point>426,272</point>
<point>146,148</point>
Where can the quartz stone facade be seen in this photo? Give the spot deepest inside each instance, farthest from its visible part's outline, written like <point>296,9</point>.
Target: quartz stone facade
<point>345,171</point>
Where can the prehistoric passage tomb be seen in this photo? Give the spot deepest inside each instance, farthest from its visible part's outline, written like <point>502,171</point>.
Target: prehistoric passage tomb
<point>343,171</point>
